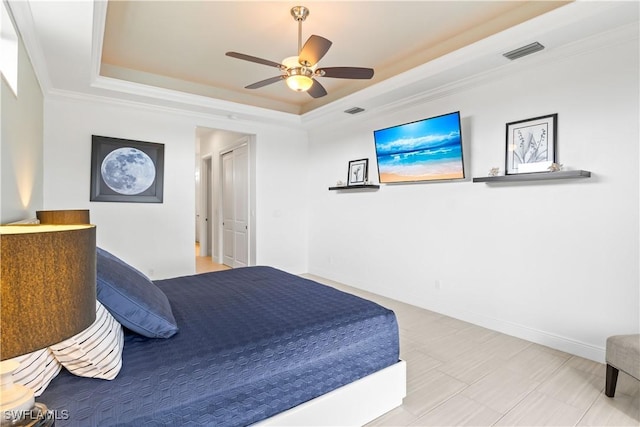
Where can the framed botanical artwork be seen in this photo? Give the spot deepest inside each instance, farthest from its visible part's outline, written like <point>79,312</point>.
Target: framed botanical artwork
<point>124,170</point>
<point>531,141</point>
<point>358,172</point>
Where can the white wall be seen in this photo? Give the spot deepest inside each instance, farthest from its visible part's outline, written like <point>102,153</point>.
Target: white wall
<point>158,238</point>
<point>553,262</point>
<point>21,192</point>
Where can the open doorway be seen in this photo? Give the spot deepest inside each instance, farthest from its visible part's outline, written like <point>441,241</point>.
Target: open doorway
<point>215,199</point>
<point>204,219</point>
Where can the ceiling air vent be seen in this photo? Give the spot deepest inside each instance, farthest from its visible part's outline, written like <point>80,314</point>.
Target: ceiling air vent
<point>523,51</point>
<point>354,110</point>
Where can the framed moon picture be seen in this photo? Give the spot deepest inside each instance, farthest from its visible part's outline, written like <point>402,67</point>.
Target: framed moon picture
<point>123,170</point>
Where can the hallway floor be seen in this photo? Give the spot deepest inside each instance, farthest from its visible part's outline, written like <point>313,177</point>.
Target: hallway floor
<point>204,264</point>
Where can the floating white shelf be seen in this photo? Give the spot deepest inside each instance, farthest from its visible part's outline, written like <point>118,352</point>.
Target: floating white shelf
<point>355,187</point>
<point>536,176</point>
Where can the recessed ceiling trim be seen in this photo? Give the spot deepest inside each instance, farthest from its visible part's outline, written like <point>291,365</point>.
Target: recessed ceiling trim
<point>23,18</point>
<point>99,22</point>
<point>216,106</point>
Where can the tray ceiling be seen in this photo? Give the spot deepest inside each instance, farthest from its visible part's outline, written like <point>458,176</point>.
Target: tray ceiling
<point>181,45</point>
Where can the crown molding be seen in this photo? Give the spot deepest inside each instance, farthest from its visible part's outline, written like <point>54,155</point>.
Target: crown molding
<point>222,119</point>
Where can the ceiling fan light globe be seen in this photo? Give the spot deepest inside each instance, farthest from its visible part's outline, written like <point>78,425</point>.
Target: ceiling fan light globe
<point>299,83</point>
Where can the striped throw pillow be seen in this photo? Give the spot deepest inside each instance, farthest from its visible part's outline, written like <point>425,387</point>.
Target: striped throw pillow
<point>36,370</point>
<point>95,352</point>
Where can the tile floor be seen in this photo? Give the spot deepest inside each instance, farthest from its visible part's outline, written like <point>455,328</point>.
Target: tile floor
<point>461,374</point>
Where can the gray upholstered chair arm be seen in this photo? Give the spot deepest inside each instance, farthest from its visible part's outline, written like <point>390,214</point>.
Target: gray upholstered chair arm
<point>623,354</point>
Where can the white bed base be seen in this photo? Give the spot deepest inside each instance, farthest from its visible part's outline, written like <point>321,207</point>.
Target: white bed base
<point>354,404</point>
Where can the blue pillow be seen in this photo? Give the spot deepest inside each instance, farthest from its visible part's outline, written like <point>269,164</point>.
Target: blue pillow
<point>132,298</point>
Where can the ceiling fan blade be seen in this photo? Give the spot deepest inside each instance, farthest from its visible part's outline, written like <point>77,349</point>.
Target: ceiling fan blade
<point>265,82</point>
<point>317,90</point>
<point>254,59</point>
<point>345,72</point>
<point>313,50</point>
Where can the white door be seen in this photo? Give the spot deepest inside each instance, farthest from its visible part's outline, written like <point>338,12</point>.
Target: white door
<point>235,207</point>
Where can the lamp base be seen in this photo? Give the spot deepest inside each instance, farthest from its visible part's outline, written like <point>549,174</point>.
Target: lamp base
<point>38,416</point>
<point>17,405</point>
<point>15,399</point>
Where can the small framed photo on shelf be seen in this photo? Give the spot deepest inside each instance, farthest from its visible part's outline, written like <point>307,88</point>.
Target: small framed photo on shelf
<point>531,142</point>
<point>358,172</point>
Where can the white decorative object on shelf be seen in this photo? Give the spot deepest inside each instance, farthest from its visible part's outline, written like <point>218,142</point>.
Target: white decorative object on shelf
<point>494,171</point>
<point>533,167</point>
<point>340,183</point>
<point>555,167</point>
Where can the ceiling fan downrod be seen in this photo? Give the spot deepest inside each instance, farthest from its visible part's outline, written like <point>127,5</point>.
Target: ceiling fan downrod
<point>299,13</point>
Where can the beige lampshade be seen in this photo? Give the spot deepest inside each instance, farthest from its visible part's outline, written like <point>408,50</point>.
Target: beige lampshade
<point>48,285</point>
<point>66,216</point>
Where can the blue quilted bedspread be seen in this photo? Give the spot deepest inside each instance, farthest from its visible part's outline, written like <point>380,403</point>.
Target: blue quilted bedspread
<point>253,342</point>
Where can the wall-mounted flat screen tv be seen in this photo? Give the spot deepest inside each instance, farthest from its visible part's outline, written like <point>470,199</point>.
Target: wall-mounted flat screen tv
<point>425,150</point>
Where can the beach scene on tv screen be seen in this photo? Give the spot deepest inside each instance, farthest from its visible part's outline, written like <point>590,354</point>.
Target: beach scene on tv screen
<point>425,150</point>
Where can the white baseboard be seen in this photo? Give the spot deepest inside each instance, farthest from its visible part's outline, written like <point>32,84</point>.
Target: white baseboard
<point>566,344</point>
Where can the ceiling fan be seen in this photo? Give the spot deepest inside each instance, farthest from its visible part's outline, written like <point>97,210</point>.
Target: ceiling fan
<point>300,72</point>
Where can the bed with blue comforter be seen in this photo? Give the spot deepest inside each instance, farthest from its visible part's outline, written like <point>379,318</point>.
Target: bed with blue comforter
<point>252,342</point>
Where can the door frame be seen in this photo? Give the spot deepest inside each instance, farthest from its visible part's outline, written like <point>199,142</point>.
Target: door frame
<point>206,235</point>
